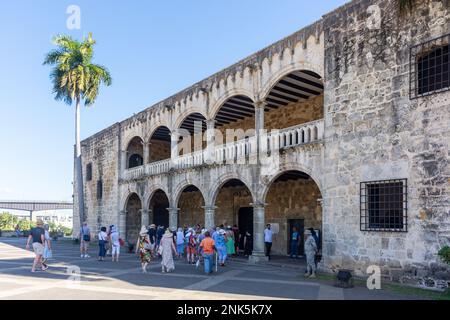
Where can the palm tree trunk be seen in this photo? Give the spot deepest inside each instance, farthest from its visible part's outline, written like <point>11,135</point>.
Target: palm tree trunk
<point>78,164</point>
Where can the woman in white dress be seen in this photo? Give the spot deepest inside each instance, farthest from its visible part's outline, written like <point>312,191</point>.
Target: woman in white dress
<point>166,250</point>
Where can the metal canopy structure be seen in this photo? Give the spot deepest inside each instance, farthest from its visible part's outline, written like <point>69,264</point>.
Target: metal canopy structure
<point>35,205</point>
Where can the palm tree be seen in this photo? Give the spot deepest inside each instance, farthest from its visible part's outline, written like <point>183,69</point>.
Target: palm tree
<point>76,78</point>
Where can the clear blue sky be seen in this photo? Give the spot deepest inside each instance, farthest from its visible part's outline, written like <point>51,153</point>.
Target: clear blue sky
<point>153,49</point>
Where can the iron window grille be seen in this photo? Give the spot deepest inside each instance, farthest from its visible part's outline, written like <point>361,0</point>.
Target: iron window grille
<point>429,67</point>
<point>384,206</point>
<point>89,172</point>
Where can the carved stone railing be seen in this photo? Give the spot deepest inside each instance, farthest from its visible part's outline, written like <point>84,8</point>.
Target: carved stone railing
<point>235,152</point>
<point>296,135</point>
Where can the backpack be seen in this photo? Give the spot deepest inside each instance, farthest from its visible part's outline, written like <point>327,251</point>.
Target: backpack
<point>192,243</point>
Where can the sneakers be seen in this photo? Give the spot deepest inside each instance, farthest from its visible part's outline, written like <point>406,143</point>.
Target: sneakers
<point>82,256</point>
<point>87,256</point>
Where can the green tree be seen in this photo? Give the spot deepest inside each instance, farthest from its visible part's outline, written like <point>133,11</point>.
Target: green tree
<point>8,221</point>
<point>75,79</point>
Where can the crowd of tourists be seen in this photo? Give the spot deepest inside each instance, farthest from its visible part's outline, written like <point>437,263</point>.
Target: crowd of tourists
<point>198,245</point>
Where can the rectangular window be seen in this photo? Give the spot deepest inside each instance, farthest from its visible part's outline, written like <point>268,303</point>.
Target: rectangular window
<point>89,172</point>
<point>383,205</point>
<point>430,67</point>
<point>99,189</point>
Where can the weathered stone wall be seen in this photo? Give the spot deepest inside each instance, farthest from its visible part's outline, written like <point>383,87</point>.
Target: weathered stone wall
<point>293,199</point>
<point>191,210</point>
<point>101,151</point>
<point>294,114</point>
<point>374,132</point>
<point>159,150</point>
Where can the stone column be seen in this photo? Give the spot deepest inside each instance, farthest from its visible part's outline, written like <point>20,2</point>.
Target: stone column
<point>144,217</point>
<point>174,137</point>
<point>259,125</point>
<point>258,254</point>
<point>122,223</point>
<point>146,152</point>
<point>209,216</point>
<point>173,217</point>
<point>210,144</point>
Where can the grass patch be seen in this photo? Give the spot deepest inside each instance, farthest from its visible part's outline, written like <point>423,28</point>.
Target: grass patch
<point>407,290</point>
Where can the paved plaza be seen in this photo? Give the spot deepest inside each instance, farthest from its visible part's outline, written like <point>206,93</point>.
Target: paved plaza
<point>124,280</point>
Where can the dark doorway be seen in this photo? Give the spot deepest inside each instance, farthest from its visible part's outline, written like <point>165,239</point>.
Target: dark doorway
<point>245,222</point>
<point>300,225</point>
<point>161,216</point>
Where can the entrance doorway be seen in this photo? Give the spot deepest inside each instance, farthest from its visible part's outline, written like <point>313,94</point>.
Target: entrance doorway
<point>245,222</point>
<point>300,225</point>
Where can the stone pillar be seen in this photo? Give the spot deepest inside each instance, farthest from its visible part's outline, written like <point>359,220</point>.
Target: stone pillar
<point>150,216</point>
<point>210,142</point>
<point>122,223</point>
<point>146,152</point>
<point>173,217</point>
<point>258,254</point>
<point>174,137</point>
<point>209,216</point>
<point>259,125</point>
<point>144,217</point>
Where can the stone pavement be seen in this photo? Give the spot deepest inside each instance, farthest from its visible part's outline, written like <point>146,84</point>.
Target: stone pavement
<point>124,280</point>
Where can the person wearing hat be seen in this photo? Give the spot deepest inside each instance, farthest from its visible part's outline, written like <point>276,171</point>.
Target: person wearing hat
<point>37,237</point>
<point>166,250</point>
<point>220,242</point>
<point>191,246</point>
<point>310,252</point>
<point>143,247</point>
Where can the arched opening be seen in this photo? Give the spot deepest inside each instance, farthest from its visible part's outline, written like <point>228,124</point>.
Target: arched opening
<point>133,217</point>
<point>159,145</point>
<point>191,134</point>
<point>158,204</point>
<point>233,207</point>
<point>237,115</point>
<point>135,153</point>
<point>294,103</point>
<point>191,203</point>
<point>293,200</point>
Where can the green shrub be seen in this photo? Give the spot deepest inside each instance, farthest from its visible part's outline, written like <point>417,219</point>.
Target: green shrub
<point>7,221</point>
<point>444,254</point>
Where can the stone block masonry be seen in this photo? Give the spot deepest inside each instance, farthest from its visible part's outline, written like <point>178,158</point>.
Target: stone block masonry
<point>351,73</point>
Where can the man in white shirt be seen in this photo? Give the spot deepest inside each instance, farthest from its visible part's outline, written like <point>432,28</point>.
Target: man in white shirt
<point>268,240</point>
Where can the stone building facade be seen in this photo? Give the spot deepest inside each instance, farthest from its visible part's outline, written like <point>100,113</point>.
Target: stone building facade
<point>359,151</point>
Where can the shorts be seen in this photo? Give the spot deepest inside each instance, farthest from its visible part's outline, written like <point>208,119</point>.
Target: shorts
<point>38,248</point>
<point>84,244</point>
<point>115,250</point>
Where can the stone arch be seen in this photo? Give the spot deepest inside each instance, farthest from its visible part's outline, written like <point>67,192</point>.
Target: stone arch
<point>278,75</point>
<point>190,201</point>
<point>229,94</point>
<point>215,189</point>
<point>151,191</point>
<point>133,213</point>
<point>182,116</point>
<point>155,128</point>
<point>127,194</point>
<point>287,167</point>
<point>135,152</point>
<point>293,199</point>
<point>181,187</point>
<point>158,202</point>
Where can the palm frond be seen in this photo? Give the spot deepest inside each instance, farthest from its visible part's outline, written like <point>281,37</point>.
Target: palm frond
<point>74,76</point>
